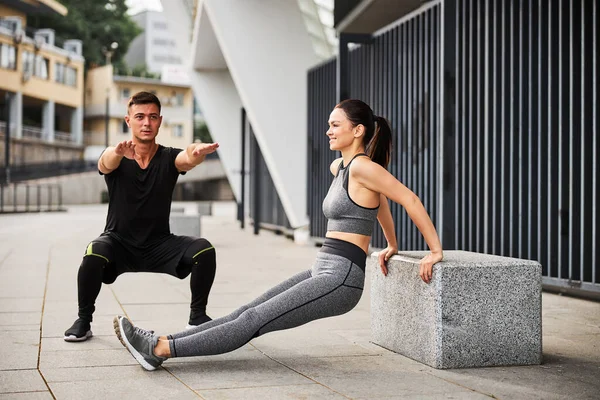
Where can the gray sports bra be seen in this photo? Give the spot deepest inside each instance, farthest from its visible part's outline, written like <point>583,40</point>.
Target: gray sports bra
<point>343,214</point>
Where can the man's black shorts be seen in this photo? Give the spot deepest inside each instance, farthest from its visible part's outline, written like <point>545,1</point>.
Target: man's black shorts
<point>161,256</point>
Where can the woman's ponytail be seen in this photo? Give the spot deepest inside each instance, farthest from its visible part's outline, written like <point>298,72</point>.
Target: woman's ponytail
<point>379,147</point>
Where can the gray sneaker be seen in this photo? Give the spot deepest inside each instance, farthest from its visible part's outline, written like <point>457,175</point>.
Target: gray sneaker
<point>139,342</point>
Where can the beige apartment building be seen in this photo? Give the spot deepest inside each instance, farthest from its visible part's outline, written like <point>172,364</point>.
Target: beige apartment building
<point>41,81</point>
<point>106,97</point>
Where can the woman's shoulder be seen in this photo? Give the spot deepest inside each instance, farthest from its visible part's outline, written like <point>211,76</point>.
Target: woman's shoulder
<point>362,162</point>
<point>364,167</point>
<point>335,165</point>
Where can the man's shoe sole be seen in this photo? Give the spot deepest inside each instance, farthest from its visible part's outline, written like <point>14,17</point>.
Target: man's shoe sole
<point>123,339</point>
<point>73,338</point>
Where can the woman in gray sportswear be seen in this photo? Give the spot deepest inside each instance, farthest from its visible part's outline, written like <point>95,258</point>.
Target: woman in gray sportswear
<point>357,197</point>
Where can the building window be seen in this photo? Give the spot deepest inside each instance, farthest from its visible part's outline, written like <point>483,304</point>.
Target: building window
<point>160,25</point>
<point>179,99</point>
<point>178,130</point>
<point>125,94</point>
<point>65,75</point>
<point>163,42</point>
<point>169,59</point>
<point>8,56</point>
<point>41,67</point>
<point>28,66</point>
<point>124,128</point>
<point>71,76</point>
<point>35,65</point>
<point>59,72</point>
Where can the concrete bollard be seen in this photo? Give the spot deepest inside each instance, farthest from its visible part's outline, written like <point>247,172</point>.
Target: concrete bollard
<point>185,220</point>
<point>204,208</point>
<point>478,311</point>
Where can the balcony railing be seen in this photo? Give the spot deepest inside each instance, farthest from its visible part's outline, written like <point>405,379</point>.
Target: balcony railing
<point>24,172</point>
<point>63,137</point>
<point>31,132</point>
<point>39,134</point>
<point>9,25</point>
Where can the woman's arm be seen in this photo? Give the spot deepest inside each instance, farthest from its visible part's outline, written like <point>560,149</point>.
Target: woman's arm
<point>384,216</point>
<point>376,178</point>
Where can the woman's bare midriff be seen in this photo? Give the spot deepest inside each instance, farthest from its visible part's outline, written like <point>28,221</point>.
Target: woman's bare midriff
<point>361,241</point>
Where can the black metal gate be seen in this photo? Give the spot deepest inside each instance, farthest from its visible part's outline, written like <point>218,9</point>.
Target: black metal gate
<point>495,113</point>
<point>266,209</point>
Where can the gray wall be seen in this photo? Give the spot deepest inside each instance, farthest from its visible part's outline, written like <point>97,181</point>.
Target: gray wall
<point>26,151</point>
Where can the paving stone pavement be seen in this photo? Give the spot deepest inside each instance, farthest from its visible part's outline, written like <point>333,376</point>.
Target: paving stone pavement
<point>326,359</point>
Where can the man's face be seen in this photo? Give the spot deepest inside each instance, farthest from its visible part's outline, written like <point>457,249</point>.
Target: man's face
<point>144,121</point>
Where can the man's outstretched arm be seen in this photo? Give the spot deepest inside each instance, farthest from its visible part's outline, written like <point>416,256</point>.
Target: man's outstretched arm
<point>112,156</point>
<point>194,155</point>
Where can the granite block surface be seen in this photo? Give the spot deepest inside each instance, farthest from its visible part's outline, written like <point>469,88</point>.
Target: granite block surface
<point>185,224</point>
<point>479,310</point>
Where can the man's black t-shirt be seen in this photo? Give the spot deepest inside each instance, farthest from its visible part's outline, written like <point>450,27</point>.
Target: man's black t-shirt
<point>140,199</point>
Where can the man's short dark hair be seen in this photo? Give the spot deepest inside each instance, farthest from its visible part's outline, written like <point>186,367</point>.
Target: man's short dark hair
<point>143,98</point>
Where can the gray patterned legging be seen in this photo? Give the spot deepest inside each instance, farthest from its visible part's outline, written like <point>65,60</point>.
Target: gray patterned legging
<point>333,286</point>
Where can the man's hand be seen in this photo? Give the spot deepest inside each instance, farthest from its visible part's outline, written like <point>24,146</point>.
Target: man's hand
<point>384,256</point>
<point>194,155</point>
<point>112,156</point>
<point>126,149</point>
<point>203,149</point>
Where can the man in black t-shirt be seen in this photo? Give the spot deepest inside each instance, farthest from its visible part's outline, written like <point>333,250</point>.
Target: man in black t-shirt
<point>140,175</point>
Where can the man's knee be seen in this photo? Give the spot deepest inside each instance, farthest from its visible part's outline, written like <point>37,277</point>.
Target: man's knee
<point>199,256</point>
<point>98,255</point>
<point>199,252</point>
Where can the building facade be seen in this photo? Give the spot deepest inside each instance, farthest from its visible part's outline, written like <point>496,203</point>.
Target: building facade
<point>155,47</point>
<point>41,83</point>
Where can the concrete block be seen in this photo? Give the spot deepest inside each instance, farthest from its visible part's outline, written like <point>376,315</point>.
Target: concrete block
<point>185,220</point>
<point>200,207</point>
<point>205,207</point>
<point>479,310</point>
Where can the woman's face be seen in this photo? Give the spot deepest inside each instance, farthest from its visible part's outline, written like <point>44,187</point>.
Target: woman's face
<point>341,133</point>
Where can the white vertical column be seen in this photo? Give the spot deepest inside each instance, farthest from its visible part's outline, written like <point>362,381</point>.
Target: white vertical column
<point>48,121</point>
<point>77,125</point>
<point>16,115</point>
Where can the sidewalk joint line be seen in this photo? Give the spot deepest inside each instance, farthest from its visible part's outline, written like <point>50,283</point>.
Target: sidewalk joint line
<point>5,257</point>
<point>298,372</point>
<point>18,369</point>
<point>24,391</point>
<point>118,301</point>
<point>41,324</point>
<point>462,386</point>
<point>182,382</point>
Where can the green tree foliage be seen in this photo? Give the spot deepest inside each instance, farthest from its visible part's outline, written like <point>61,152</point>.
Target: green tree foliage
<point>97,23</point>
<point>139,70</point>
<point>201,132</point>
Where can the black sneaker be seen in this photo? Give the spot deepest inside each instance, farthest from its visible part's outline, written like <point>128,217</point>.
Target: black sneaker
<point>198,321</point>
<point>80,331</point>
<point>139,342</point>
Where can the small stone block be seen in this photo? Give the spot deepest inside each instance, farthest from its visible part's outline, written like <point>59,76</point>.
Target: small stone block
<point>478,311</point>
<point>185,224</point>
<point>205,208</point>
